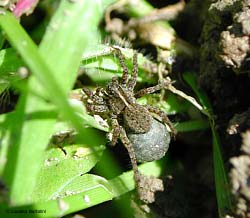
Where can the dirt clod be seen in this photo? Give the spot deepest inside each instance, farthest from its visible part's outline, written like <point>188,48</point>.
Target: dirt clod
<point>148,186</point>
<point>240,177</point>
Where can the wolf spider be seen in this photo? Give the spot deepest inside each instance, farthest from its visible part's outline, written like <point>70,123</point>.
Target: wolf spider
<point>117,103</point>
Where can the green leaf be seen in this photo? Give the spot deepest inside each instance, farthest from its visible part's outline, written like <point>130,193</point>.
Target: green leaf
<point>102,64</point>
<point>89,190</point>
<point>67,166</point>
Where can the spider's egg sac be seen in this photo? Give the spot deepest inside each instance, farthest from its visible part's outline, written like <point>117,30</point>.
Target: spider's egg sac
<point>151,145</point>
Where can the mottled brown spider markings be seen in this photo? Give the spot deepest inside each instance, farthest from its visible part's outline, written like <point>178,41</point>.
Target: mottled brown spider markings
<point>117,103</point>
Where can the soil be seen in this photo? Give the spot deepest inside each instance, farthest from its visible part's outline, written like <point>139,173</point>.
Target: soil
<point>224,74</point>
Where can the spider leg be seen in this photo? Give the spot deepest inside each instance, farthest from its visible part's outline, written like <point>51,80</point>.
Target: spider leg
<point>95,103</point>
<point>162,85</point>
<point>97,109</point>
<point>147,186</point>
<point>132,80</point>
<point>163,116</point>
<point>148,90</point>
<point>131,152</point>
<point>96,97</point>
<point>99,96</point>
<point>124,79</point>
<point>115,130</point>
<point>88,92</point>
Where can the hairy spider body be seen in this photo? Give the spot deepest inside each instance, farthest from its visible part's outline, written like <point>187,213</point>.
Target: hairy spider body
<point>129,121</point>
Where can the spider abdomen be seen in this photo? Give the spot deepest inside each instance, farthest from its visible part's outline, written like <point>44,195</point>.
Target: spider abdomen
<point>137,119</point>
<point>151,145</point>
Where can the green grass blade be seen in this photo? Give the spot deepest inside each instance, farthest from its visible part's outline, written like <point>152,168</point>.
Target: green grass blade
<point>71,31</point>
<point>9,64</point>
<point>221,181</point>
<point>192,125</point>
<point>25,148</point>
<point>9,61</point>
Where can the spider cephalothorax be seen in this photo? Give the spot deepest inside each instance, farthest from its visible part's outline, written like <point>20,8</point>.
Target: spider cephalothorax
<point>130,121</point>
